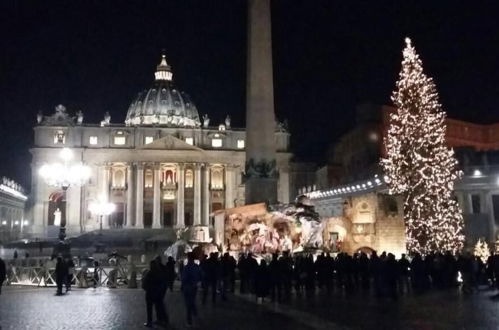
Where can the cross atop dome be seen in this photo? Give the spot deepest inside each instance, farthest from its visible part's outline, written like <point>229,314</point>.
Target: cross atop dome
<point>163,70</point>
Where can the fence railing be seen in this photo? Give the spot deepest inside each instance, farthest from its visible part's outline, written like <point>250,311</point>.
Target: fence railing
<point>81,277</point>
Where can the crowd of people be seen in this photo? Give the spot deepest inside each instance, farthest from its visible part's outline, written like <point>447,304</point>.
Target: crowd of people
<point>281,276</point>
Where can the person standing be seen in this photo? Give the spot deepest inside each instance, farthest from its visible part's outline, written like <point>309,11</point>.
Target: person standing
<point>71,266</point>
<point>275,278</point>
<point>212,277</point>
<point>191,275</point>
<point>163,282</point>
<point>61,274</point>
<point>170,273</point>
<point>151,283</point>
<point>3,273</point>
<point>261,281</point>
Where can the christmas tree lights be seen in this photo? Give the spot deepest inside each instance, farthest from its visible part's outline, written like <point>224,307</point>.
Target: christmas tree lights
<point>418,163</point>
<point>482,250</point>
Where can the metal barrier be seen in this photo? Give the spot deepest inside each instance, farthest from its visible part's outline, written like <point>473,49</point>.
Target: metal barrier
<point>81,277</point>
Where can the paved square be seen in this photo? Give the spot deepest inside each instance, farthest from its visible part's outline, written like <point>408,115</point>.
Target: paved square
<point>102,308</point>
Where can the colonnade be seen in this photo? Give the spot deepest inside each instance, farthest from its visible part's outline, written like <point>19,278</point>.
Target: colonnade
<point>135,183</point>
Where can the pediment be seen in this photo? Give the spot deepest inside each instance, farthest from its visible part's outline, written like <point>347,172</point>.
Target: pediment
<point>169,143</point>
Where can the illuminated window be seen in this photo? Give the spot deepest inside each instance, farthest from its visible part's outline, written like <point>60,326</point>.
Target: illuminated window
<point>93,140</point>
<point>189,140</point>
<point>59,137</point>
<point>119,140</point>
<point>221,127</point>
<point>216,143</point>
<point>189,179</point>
<point>148,139</point>
<point>217,178</point>
<point>148,179</point>
<point>240,144</point>
<point>118,178</point>
<point>168,177</point>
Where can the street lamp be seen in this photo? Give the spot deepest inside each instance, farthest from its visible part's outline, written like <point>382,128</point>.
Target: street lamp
<point>101,208</point>
<point>65,175</point>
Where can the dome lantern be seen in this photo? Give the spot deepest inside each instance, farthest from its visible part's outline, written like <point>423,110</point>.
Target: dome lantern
<point>163,70</point>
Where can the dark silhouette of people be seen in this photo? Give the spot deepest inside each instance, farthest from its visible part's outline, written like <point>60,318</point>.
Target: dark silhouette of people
<point>152,283</point>
<point>227,267</point>
<point>170,273</point>
<point>95,276</point>
<point>212,274</point>
<point>61,274</point>
<point>163,286</point>
<point>262,281</point>
<point>275,273</point>
<point>70,266</point>
<point>190,276</point>
<point>3,273</point>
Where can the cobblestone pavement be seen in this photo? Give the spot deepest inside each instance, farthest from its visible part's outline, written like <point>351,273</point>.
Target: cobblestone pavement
<point>38,308</point>
<point>430,311</point>
<point>102,309</point>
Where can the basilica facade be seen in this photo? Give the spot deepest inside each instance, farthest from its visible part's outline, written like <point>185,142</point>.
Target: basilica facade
<point>164,166</point>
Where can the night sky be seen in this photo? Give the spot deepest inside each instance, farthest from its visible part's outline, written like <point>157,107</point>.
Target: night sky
<point>329,56</point>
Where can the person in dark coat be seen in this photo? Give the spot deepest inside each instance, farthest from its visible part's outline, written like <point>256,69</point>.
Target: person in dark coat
<point>61,274</point>
<point>403,269</point>
<point>95,276</point>
<point>163,286</point>
<point>70,265</point>
<point>391,276</point>
<point>262,281</point>
<point>170,273</point>
<point>3,273</point>
<point>212,276</point>
<point>190,276</point>
<point>275,278</point>
<point>152,285</point>
<point>227,272</point>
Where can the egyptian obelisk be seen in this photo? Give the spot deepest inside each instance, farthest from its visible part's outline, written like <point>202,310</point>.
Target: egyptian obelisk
<point>261,171</point>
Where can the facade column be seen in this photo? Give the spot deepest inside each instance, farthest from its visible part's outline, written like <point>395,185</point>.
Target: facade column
<point>180,195</point>
<point>283,186</point>
<point>139,188</point>
<point>205,216</point>
<point>229,186</point>
<point>104,191</point>
<point>156,206</point>
<point>129,196</point>
<point>197,194</point>
<point>489,208</point>
<point>40,194</point>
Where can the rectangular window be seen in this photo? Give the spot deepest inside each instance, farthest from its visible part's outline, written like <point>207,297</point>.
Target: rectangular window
<point>189,140</point>
<point>120,140</point>
<point>93,140</point>
<point>148,139</point>
<point>59,137</point>
<point>240,144</point>
<point>216,143</point>
<point>475,204</point>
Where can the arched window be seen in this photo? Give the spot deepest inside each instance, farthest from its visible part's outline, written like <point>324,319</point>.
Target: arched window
<point>118,178</point>
<point>189,179</point>
<point>148,178</point>
<point>168,177</point>
<point>217,178</point>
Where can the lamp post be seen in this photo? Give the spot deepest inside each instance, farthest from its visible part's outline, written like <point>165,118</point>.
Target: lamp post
<point>101,208</point>
<point>65,175</point>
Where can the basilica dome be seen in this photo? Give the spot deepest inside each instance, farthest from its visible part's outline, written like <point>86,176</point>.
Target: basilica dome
<point>163,104</point>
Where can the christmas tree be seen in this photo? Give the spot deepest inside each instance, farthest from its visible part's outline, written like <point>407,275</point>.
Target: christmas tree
<point>482,250</point>
<point>418,163</point>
